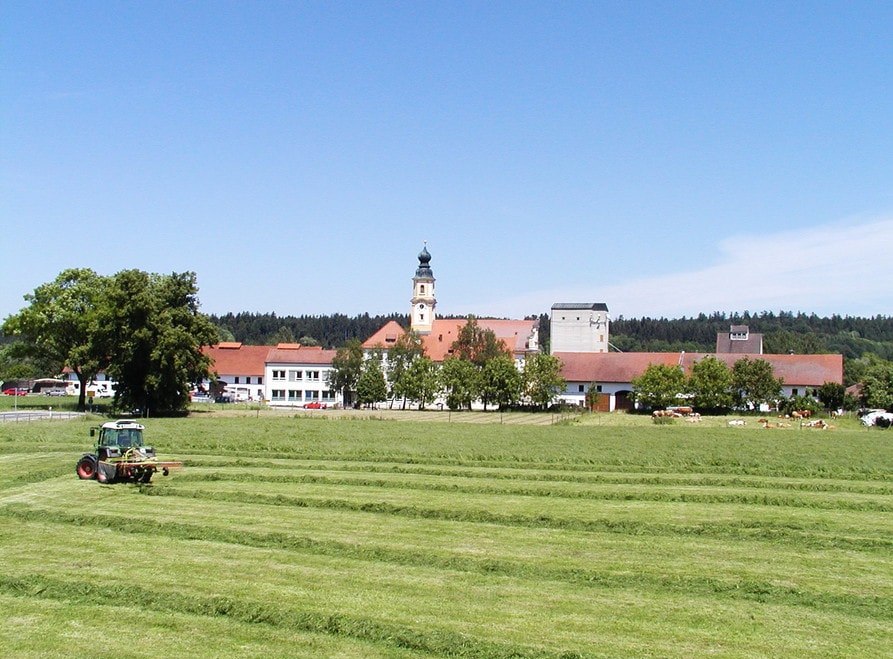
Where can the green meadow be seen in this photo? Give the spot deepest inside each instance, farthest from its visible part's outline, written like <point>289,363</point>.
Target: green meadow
<point>423,535</point>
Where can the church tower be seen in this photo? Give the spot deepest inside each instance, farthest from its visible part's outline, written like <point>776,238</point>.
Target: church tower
<point>423,302</point>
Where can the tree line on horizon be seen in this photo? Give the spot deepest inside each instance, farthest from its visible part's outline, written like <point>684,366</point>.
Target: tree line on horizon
<point>783,332</point>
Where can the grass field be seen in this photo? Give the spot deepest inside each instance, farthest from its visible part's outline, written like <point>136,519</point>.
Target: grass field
<point>313,536</point>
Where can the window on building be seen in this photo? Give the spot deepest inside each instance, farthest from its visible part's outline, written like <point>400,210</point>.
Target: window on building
<point>328,395</point>
<point>260,380</point>
<point>278,394</point>
<point>795,392</point>
<point>294,376</point>
<point>278,375</point>
<point>236,380</point>
<point>581,388</point>
<point>313,375</point>
<point>294,395</point>
<point>311,395</point>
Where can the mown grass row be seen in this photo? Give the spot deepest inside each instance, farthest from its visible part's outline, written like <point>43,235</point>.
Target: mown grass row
<point>744,589</point>
<point>734,530</point>
<point>880,487</point>
<point>437,642</point>
<point>663,494</point>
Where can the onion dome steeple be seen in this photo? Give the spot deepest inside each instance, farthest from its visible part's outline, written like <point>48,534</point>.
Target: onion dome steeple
<point>424,269</point>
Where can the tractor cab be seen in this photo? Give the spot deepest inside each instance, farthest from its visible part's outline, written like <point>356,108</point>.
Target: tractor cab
<point>117,438</point>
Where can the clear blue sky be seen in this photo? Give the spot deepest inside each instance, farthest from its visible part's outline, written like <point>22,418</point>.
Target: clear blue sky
<point>666,158</point>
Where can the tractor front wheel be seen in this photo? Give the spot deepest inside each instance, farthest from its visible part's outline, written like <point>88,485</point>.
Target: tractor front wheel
<point>86,467</point>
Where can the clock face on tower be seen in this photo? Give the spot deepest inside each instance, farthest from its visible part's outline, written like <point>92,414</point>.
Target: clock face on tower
<point>421,306</point>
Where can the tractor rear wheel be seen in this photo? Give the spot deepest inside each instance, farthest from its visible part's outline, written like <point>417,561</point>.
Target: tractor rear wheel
<point>147,476</point>
<point>86,467</point>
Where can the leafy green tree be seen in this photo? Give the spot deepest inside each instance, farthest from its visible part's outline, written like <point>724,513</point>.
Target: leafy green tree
<point>659,386</point>
<point>422,381</point>
<point>224,334</point>
<point>371,385</point>
<point>153,332</point>
<point>877,385</point>
<point>477,345</point>
<point>17,363</point>
<point>407,348</point>
<point>347,365</point>
<point>501,382</point>
<point>754,382</point>
<point>542,379</point>
<point>61,325</point>
<point>831,395</point>
<point>282,335</point>
<point>460,380</point>
<point>710,384</point>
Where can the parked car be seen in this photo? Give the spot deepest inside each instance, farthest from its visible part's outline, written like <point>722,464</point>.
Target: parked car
<point>879,418</point>
<point>315,405</point>
<point>16,391</point>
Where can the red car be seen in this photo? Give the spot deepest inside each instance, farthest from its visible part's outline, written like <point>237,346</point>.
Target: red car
<point>15,391</point>
<point>315,405</point>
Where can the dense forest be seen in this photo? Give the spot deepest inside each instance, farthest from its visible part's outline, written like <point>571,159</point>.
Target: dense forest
<point>783,332</point>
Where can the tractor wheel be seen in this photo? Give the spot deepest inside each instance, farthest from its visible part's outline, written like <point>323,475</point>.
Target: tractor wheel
<point>147,476</point>
<point>86,468</point>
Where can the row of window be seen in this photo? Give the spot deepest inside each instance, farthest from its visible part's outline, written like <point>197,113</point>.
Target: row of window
<point>294,395</point>
<point>293,376</point>
<point>258,380</point>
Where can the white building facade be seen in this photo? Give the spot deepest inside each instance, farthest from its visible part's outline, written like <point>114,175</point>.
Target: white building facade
<point>579,327</point>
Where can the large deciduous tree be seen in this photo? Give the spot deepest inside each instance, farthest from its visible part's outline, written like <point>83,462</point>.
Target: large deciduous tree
<point>153,332</point>
<point>754,382</point>
<point>461,382</point>
<point>501,382</point>
<point>61,325</point>
<point>877,385</point>
<point>710,384</point>
<point>347,365</point>
<point>407,348</point>
<point>371,385</point>
<point>422,381</point>
<point>542,379</point>
<point>477,345</point>
<point>659,386</point>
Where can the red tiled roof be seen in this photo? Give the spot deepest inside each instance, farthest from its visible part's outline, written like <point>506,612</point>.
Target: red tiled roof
<point>514,334</point>
<point>385,337</point>
<point>237,359</point>
<point>794,370</point>
<point>285,353</point>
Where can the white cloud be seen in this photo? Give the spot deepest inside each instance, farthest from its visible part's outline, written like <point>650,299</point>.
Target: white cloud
<point>842,268</point>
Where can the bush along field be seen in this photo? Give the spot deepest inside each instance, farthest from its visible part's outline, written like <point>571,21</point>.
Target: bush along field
<point>302,536</point>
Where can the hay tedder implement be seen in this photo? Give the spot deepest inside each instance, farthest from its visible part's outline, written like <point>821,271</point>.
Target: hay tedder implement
<point>120,456</point>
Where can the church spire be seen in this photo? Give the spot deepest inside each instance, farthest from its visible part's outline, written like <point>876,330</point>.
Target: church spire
<point>423,300</point>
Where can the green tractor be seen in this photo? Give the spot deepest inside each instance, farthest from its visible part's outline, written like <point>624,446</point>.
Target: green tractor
<point>120,456</point>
